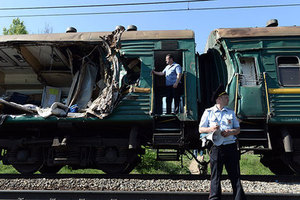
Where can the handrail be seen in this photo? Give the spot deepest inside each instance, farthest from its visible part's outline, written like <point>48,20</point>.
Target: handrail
<point>185,94</point>
<point>236,93</point>
<point>267,95</point>
<point>284,90</point>
<point>152,95</point>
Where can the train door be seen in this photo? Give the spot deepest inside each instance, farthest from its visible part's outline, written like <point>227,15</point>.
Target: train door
<point>249,102</point>
<point>159,81</point>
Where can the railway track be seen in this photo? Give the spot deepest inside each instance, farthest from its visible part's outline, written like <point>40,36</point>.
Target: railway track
<point>111,195</point>
<point>267,178</point>
<point>141,187</point>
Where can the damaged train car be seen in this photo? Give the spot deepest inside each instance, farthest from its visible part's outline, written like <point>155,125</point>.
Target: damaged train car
<point>79,99</point>
<point>260,67</point>
<point>88,100</point>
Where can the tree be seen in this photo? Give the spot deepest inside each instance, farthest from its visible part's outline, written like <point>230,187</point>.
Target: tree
<point>17,27</point>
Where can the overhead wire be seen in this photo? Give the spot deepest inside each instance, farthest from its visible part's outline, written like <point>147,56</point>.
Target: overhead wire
<point>151,11</point>
<point>102,5</point>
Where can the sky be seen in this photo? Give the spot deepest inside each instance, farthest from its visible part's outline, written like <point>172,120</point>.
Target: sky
<point>202,22</point>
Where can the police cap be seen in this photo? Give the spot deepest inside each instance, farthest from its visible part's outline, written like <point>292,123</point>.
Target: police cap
<point>218,92</point>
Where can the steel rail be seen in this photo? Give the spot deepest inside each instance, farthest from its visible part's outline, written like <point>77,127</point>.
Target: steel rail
<point>265,178</point>
<point>112,195</point>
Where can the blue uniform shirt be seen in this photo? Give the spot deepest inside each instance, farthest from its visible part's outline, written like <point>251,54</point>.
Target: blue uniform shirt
<point>171,72</point>
<point>225,118</point>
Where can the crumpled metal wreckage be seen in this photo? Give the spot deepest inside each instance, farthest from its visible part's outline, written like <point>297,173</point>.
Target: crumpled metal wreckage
<point>84,80</point>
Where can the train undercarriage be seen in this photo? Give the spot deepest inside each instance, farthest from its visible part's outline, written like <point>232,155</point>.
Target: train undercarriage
<point>113,152</point>
<point>110,152</point>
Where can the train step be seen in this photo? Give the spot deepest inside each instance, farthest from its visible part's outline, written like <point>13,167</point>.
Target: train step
<point>167,139</point>
<point>167,155</point>
<point>167,130</point>
<point>167,122</point>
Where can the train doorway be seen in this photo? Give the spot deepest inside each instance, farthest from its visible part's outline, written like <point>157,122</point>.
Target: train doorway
<point>159,82</point>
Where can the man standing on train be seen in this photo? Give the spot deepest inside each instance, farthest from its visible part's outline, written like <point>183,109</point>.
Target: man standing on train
<point>173,90</point>
<point>220,119</point>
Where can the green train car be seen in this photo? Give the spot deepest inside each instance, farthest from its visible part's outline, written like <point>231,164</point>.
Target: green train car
<point>261,68</point>
<point>88,100</point>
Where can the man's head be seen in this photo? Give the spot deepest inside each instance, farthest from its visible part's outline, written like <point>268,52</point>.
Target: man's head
<point>169,59</point>
<point>223,100</point>
<point>220,96</point>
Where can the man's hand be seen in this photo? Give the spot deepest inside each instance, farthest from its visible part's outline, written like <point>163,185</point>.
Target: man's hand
<point>157,73</point>
<point>175,85</point>
<point>228,132</point>
<point>208,129</point>
<point>214,128</point>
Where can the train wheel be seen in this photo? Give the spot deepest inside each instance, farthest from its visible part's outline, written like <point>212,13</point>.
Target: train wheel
<point>27,168</point>
<point>50,169</point>
<point>125,168</point>
<point>294,161</point>
<point>27,161</point>
<point>115,168</point>
<point>276,165</point>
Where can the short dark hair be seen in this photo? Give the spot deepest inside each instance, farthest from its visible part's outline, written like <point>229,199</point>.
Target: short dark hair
<point>170,56</point>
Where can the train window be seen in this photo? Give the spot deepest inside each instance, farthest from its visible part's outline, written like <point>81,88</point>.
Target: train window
<point>289,70</point>
<point>248,71</point>
<point>133,70</point>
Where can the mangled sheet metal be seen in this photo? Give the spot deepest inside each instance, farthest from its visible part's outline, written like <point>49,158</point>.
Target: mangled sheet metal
<point>95,65</point>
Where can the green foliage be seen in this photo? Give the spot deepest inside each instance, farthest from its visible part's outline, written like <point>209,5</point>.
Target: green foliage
<point>16,28</point>
<point>250,165</point>
<point>149,165</point>
<point>68,170</point>
<point>7,169</point>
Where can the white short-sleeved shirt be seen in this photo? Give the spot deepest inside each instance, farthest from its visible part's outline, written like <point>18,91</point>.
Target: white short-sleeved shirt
<point>225,118</point>
<point>171,72</point>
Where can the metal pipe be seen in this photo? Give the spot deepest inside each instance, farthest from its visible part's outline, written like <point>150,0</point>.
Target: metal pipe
<point>236,93</point>
<point>267,95</point>
<point>287,140</point>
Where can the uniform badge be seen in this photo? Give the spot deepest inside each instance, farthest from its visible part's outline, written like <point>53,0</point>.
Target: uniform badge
<point>229,121</point>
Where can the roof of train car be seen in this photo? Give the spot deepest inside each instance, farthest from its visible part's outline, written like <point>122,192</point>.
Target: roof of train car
<point>94,36</point>
<point>257,32</point>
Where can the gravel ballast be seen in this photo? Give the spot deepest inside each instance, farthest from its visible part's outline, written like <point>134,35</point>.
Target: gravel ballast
<point>142,185</point>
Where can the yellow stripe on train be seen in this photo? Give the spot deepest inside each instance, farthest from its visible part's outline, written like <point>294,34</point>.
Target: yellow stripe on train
<point>284,90</point>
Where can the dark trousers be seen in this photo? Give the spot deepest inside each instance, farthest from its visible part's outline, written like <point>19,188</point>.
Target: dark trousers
<point>170,93</point>
<point>227,155</point>
<point>173,93</point>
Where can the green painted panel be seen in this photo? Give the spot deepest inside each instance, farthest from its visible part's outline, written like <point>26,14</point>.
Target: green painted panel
<point>285,120</point>
<point>284,107</point>
<point>244,44</point>
<point>251,103</point>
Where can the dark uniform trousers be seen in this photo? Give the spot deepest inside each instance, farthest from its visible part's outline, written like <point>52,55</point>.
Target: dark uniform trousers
<point>227,155</point>
<point>173,93</point>
<point>170,93</point>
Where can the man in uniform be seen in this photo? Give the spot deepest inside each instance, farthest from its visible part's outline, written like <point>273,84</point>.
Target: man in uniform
<point>172,73</point>
<point>219,118</point>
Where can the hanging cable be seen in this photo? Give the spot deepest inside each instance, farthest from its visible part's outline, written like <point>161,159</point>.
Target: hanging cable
<point>102,5</point>
<point>151,11</point>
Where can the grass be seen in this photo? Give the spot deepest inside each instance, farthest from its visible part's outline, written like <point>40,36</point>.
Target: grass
<point>149,165</point>
<point>249,163</point>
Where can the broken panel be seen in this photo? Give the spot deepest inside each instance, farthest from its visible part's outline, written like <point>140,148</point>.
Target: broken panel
<point>86,73</point>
